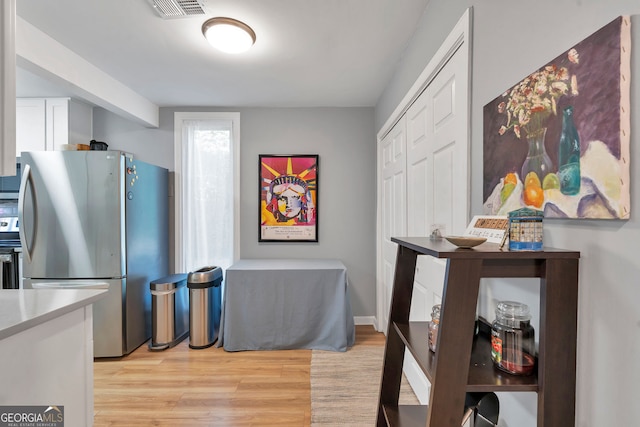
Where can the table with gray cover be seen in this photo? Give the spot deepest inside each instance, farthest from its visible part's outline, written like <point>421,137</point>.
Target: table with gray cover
<point>282,304</point>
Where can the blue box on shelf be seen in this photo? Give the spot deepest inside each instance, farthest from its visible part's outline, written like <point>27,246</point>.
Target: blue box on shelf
<point>525,230</point>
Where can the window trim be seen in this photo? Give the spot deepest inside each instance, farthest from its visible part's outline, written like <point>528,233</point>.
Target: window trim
<point>179,118</point>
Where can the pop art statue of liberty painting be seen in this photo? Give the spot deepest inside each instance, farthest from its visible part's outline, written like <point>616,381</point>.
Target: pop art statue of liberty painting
<point>288,198</point>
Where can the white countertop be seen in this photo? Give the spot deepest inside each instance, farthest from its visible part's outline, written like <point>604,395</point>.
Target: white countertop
<point>21,309</point>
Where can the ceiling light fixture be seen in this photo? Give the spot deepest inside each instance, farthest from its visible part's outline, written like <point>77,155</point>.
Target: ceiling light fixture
<point>228,34</point>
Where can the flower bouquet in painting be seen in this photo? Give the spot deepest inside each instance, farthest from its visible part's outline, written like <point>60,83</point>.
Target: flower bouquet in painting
<point>560,148</point>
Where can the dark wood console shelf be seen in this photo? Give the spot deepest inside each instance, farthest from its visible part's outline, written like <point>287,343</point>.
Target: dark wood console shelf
<point>461,363</point>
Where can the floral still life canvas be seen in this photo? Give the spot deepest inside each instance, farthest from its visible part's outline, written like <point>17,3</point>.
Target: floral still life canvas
<point>558,141</point>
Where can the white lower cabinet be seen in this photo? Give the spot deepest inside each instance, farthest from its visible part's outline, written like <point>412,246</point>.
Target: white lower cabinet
<point>51,364</point>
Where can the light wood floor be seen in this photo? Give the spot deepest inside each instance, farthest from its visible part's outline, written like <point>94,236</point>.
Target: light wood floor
<point>209,387</point>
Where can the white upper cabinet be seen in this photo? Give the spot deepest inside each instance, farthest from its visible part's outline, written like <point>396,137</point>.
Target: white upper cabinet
<point>47,123</point>
<point>57,123</point>
<point>30,125</point>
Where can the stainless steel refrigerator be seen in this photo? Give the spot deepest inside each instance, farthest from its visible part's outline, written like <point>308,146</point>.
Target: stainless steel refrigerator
<point>97,219</point>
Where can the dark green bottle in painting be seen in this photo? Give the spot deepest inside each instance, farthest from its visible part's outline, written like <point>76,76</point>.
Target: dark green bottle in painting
<point>569,155</point>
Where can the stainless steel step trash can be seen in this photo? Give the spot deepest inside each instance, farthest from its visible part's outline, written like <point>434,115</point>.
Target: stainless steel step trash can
<point>169,311</point>
<point>205,295</point>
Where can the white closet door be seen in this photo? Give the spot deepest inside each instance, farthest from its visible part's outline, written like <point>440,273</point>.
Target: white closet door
<point>393,158</point>
<point>437,185</point>
<point>434,173</point>
<point>437,172</point>
<point>419,197</point>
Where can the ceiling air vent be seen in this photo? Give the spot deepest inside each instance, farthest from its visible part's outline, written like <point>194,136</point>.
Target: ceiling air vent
<point>178,8</point>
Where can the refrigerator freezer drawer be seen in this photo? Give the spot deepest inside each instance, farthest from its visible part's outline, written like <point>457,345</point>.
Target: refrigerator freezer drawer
<point>108,340</point>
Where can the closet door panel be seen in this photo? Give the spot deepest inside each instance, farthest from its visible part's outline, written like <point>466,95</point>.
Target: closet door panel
<point>394,207</point>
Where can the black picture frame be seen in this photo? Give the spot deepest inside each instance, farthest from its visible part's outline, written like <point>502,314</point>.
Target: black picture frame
<point>288,197</point>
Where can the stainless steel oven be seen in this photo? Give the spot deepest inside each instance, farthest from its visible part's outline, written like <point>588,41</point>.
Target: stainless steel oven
<point>9,239</point>
<point>9,268</point>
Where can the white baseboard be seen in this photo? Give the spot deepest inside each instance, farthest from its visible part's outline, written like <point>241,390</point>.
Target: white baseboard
<point>364,320</point>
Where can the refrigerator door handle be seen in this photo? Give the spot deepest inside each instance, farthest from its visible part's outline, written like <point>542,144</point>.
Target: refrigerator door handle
<point>70,285</point>
<point>26,178</point>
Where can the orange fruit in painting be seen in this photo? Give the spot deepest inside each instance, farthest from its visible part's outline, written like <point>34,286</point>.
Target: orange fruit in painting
<point>532,180</point>
<point>511,178</point>
<point>534,196</point>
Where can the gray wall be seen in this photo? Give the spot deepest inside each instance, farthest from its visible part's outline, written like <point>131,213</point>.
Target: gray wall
<point>344,139</point>
<point>510,40</point>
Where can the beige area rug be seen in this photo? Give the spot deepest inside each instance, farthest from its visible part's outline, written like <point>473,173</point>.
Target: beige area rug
<point>345,387</point>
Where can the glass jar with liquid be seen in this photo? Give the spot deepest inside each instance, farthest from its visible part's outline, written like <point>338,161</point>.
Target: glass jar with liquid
<point>434,325</point>
<point>513,339</point>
